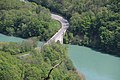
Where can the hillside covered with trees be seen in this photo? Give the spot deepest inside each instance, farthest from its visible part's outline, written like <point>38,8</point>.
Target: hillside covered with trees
<point>93,23</point>
<point>27,61</point>
<point>16,65</point>
<point>26,20</point>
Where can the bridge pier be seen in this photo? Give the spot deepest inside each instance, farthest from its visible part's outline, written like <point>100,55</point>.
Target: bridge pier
<point>58,37</point>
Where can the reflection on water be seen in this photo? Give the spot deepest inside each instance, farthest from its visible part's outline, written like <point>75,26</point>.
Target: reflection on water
<point>4,38</point>
<point>94,65</point>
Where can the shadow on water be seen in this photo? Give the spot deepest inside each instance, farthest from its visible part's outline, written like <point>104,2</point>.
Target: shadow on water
<point>105,52</point>
<point>101,50</point>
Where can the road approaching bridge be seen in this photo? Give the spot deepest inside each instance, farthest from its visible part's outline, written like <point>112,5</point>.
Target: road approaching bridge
<point>58,36</point>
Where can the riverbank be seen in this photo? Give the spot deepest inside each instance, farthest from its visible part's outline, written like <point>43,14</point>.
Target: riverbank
<point>4,38</point>
<point>116,54</point>
<point>94,65</point>
<point>82,76</point>
<point>97,27</point>
<point>24,59</point>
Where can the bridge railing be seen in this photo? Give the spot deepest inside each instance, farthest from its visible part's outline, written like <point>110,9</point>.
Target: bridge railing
<point>61,31</point>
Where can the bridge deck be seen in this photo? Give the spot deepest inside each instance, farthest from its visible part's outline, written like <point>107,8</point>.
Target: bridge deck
<point>62,30</point>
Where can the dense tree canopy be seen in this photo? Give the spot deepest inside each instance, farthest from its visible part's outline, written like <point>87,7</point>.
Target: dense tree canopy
<point>94,23</point>
<point>36,65</point>
<point>23,61</point>
<point>26,20</point>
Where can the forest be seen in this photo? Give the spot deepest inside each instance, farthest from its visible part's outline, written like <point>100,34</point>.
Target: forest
<point>26,20</point>
<point>16,65</point>
<point>25,60</point>
<point>93,23</point>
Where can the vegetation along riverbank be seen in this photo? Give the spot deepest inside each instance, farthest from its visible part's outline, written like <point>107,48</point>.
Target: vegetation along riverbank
<point>93,23</point>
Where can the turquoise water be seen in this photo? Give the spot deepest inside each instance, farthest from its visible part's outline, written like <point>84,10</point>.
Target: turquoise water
<point>4,38</point>
<point>94,65</point>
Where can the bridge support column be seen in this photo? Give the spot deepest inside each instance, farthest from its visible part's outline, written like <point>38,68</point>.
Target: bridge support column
<point>59,39</point>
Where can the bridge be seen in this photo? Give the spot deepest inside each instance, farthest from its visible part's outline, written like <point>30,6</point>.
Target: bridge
<point>58,37</point>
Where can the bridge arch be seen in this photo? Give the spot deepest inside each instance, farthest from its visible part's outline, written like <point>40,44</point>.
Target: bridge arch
<point>58,37</point>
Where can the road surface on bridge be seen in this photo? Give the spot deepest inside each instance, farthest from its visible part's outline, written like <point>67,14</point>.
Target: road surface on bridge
<point>61,31</point>
<point>64,26</point>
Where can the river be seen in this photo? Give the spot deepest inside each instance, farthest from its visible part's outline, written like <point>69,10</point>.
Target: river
<point>94,65</point>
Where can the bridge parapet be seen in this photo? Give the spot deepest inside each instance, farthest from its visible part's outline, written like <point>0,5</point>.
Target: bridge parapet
<point>59,35</point>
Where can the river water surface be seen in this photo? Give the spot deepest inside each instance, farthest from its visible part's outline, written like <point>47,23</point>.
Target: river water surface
<point>94,65</point>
